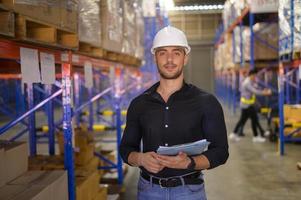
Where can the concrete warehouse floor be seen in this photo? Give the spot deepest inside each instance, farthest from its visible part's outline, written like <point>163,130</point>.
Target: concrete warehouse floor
<point>254,171</point>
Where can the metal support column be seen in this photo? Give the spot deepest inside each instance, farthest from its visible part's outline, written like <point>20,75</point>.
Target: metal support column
<point>251,19</point>
<point>50,116</point>
<point>67,127</point>
<point>119,135</point>
<point>287,88</point>
<point>31,121</point>
<point>234,92</point>
<point>292,27</point>
<point>76,80</point>
<point>97,86</point>
<point>91,110</point>
<point>241,44</point>
<point>281,113</point>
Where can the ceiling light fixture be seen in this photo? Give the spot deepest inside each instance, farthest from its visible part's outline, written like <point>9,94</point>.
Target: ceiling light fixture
<point>197,7</point>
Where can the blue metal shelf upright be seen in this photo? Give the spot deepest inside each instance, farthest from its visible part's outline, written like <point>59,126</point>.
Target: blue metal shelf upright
<point>228,82</point>
<point>289,70</point>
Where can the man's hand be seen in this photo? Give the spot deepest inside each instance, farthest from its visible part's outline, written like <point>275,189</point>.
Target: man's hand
<point>267,92</point>
<point>180,161</point>
<point>150,162</point>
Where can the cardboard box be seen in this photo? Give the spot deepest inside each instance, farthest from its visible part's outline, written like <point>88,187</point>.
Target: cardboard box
<point>89,22</point>
<point>15,159</point>
<point>43,11</point>
<point>262,51</point>
<point>129,29</point>
<point>10,191</point>
<point>45,162</point>
<point>69,15</point>
<point>43,185</point>
<point>102,193</point>
<point>91,166</point>
<point>87,187</point>
<point>112,25</point>
<point>84,156</point>
<point>83,139</point>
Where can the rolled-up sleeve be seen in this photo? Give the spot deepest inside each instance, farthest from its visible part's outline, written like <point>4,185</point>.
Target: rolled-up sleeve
<point>214,128</point>
<point>131,138</point>
<point>253,89</point>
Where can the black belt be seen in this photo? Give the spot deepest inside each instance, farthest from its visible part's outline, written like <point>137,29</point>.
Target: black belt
<point>191,179</point>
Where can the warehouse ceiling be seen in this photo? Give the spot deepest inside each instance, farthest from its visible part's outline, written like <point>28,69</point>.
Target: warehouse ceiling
<point>197,2</point>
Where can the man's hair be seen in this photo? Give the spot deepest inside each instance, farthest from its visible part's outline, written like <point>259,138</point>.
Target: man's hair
<point>253,72</point>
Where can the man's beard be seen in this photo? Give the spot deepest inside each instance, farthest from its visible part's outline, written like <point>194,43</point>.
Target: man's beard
<point>167,76</point>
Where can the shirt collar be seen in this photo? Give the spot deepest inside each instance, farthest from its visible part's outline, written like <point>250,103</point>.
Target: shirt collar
<point>152,90</point>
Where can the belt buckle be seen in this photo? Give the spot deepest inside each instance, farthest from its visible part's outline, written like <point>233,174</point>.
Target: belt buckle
<point>160,183</point>
<point>169,182</point>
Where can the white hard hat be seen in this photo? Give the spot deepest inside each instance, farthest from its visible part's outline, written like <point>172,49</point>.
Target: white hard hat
<point>170,36</point>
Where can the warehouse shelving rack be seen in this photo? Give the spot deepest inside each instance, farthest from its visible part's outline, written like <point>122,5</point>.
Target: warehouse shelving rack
<point>228,86</point>
<point>228,80</point>
<point>10,52</point>
<point>289,93</point>
<point>289,82</point>
<point>68,60</point>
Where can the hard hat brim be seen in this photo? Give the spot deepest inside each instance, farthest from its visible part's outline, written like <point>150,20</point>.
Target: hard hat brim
<point>187,48</point>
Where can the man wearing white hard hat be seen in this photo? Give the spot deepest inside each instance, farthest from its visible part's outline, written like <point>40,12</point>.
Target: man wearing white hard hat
<point>169,113</point>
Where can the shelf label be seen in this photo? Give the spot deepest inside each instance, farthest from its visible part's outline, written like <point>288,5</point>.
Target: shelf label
<point>30,65</point>
<point>88,75</point>
<point>75,58</point>
<point>64,57</point>
<point>47,68</point>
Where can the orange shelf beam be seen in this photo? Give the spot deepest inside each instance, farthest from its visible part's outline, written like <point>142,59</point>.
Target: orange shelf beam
<point>233,25</point>
<point>11,50</point>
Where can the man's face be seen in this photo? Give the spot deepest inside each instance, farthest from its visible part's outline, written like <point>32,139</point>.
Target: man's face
<point>170,61</point>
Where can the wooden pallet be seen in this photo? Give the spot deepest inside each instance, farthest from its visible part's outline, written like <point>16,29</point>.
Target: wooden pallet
<point>34,31</point>
<point>7,22</point>
<point>112,56</point>
<point>91,50</point>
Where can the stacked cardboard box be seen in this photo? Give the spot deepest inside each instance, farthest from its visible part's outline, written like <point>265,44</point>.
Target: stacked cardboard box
<point>227,52</point>
<point>69,15</point>
<point>41,10</point>
<point>139,52</point>
<point>268,33</point>
<point>37,185</point>
<point>13,159</point>
<point>84,146</point>
<point>112,25</point>
<point>102,193</point>
<point>86,164</point>
<point>89,22</point>
<point>60,13</point>
<point>87,186</point>
<point>17,183</point>
<point>129,29</point>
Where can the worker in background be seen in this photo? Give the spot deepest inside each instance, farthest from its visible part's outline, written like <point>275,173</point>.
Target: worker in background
<point>248,109</point>
<point>172,112</point>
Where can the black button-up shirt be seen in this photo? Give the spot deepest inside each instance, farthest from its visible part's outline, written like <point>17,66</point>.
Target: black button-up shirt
<point>190,114</point>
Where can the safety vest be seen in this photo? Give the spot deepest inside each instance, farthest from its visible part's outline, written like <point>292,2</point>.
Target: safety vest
<point>248,101</point>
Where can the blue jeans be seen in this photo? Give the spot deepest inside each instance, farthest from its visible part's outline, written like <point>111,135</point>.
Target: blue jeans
<point>150,191</point>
